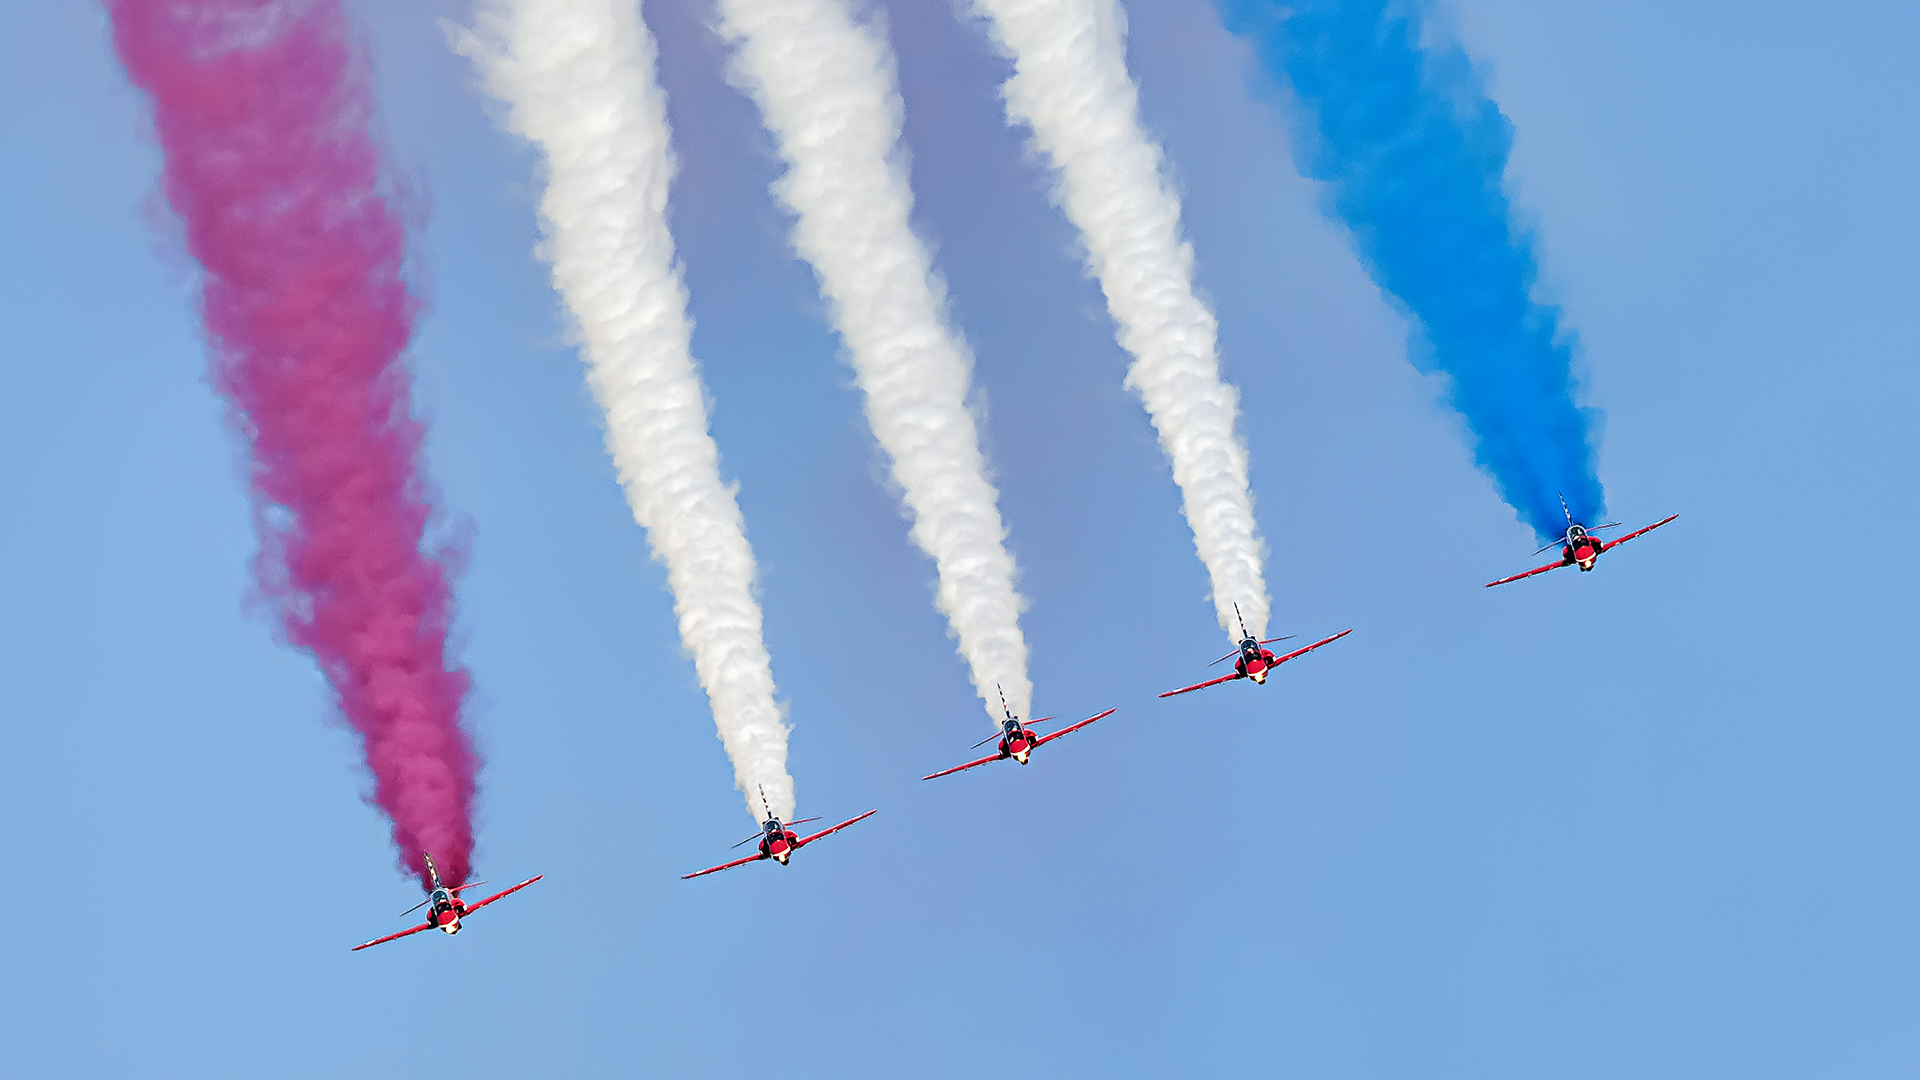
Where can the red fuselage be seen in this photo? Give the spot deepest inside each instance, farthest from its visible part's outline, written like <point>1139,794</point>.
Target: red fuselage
<point>778,844</point>
<point>1254,664</point>
<point>1018,744</point>
<point>1581,552</point>
<point>444,911</point>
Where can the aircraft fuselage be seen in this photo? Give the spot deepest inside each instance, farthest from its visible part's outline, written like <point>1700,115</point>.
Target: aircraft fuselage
<point>1018,742</point>
<point>778,843</point>
<point>444,910</point>
<point>1254,662</point>
<point>1580,548</point>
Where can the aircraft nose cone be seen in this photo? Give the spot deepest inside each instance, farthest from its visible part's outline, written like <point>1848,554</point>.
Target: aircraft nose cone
<point>1258,675</point>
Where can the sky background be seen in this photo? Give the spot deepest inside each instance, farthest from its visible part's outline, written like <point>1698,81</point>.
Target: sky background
<point>1658,821</point>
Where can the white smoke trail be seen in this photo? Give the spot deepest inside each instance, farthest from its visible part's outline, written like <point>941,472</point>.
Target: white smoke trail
<point>825,86</point>
<point>1071,88</point>
<point>578,79</point>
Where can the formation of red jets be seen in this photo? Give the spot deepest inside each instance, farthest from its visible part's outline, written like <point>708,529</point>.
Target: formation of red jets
<point>1017,739</point>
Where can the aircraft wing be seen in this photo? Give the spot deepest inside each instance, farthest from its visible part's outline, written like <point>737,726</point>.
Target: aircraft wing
<point>1535,570</point>
<point>1204,685</point>
<point>805,840</point>
<point>390,937</point>
<point>1611,544</point>
<point>755,857</point>
<point>1045,739</point>
<point>471,908</point>
<point>962,768</point>
<point>1308,649</point>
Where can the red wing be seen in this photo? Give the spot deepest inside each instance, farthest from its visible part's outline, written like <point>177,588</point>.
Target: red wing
<point>1204,685</point>
<point>471,908</point>
<point>1045,739</point>
<point>962,768</point>
<point>1530,573</point>
<point>390,937</point>
<point>1611,544</point>
<point>805,840</point>
<point>755,857</point>
<point>1310,648</point>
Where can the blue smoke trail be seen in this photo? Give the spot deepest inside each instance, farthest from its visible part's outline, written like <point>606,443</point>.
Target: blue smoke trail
<point>1413,154</point>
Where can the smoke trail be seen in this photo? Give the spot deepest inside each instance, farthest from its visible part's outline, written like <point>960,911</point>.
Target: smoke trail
<point>825,86</point>
<point>263,112</point>
<point>1070,86</point>
<point>1413,154</point>
<point>578,79</point>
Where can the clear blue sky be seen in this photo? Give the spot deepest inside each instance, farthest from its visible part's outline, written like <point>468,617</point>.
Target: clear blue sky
<point>1657,821</point>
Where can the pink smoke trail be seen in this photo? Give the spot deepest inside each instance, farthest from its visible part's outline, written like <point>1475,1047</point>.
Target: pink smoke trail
<point>263,114</point>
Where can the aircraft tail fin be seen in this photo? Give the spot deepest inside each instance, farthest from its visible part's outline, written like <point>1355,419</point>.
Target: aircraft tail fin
<point>1244,635</point>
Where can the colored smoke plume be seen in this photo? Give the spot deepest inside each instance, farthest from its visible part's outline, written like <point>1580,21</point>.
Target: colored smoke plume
<point>578,80</point>
<point>1071,88</point>
<point>1414,156</point>
<point>825,87</point>
<point>263,114</point>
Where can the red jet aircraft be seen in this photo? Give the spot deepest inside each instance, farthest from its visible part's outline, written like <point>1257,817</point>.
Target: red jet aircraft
<point>1579,547</point>
<point>1017,741</point>
<point>447,908</point>
<point>1255,662</point>
<point>778,841</point>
